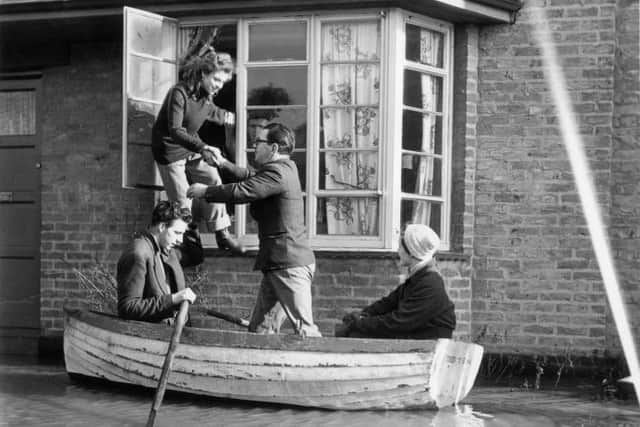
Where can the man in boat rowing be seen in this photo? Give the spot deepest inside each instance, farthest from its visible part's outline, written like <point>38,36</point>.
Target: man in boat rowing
<point>151,282</point>
<point>417,309</point>
<point>284,256</point>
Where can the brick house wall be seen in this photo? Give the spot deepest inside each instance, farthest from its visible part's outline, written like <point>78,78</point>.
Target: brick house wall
<point>625,190</point>
<point>521,271</point>
<point>536,283</point>
<point>86,215</point>
<point>341,284</point>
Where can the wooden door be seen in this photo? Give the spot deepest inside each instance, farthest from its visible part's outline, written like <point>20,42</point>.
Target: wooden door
<point>19,216</point>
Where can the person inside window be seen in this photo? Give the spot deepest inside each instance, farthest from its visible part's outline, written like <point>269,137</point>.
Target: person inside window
<point>417,309</point>
<point>284,256</point>
<point>179,152</point>
<point>151,284</point>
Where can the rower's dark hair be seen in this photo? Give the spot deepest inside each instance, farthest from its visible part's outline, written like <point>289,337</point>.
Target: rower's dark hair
<point>277,133</point>
<point>167,212</point>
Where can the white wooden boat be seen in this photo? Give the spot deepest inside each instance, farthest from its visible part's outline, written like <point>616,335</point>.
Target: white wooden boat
<point>332,373</point>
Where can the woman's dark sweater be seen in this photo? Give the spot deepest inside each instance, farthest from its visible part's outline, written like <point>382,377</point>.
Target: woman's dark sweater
<point>175,132</point>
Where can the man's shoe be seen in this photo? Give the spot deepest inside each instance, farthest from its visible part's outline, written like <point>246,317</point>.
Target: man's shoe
<point>226,242</point>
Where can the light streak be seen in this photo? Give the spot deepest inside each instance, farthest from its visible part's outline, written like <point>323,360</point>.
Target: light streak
<point>577,158</point>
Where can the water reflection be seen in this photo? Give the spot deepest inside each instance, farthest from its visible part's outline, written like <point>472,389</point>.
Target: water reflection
<point>44,395</point>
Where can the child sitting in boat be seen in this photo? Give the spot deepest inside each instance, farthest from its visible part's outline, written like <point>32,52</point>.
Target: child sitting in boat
<point>417,309</point>
<point>151,282</point>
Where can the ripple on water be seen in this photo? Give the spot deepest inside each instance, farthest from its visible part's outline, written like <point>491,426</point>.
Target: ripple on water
<point>45,396</point>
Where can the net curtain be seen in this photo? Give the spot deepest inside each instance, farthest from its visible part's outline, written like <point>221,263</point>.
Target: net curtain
<point>350,120</point>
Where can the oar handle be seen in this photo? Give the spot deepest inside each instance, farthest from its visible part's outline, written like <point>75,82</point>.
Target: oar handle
<point>229,318</point>
<point>181,319</point>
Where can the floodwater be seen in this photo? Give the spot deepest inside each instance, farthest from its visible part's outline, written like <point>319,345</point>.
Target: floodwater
<point>34,394</point>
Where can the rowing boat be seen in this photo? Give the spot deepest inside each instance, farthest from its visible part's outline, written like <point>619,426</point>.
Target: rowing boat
<point>331,373</point>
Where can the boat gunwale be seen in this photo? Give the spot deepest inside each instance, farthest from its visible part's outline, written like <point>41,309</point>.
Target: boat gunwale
<point>242,339</point>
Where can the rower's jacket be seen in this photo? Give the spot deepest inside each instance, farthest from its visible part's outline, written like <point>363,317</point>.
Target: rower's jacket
<point>417,309</point>
<point>275,198</point>
<point>142,292</point>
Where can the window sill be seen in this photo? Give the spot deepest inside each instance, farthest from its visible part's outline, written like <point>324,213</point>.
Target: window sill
<point>346,255</point>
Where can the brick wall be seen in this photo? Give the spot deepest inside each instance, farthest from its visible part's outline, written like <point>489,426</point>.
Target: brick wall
<point>86,216</point>
<point>342,284</point>
<point>536,284</point>
<point>625,190</point>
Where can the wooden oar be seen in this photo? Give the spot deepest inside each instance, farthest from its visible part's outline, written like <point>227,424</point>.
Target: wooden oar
<point>228,317</point>
<point>168,361</point>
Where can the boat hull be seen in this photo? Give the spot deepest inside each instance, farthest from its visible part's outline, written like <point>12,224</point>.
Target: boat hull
<point>331,373</point>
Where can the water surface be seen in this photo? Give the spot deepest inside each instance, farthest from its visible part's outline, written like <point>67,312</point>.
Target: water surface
<point>43,395</point>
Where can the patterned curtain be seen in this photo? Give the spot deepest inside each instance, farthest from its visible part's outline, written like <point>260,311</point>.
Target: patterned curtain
<point>429,51</point>
<point>352,87</point>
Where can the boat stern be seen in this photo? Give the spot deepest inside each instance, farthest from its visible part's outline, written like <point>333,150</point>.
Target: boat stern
<point>454,370</point>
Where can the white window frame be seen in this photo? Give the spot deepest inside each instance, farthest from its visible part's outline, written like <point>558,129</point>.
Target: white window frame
<point>398,19</point>
<point>243,65</point>
<point>392,66</point>
<point>127,52</point>
<point>339,242</point>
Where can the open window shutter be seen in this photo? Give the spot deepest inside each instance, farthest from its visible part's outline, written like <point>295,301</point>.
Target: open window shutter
<point>150,45</point>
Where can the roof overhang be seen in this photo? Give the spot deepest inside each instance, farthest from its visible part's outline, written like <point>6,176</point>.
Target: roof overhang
<point>38,33</point>
<point>460,11</point>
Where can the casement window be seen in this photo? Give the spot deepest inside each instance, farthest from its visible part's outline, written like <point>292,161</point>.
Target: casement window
<point>368,96</point>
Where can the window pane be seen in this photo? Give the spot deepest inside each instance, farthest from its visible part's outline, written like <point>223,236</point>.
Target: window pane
<point>349,127</point>
<point>278,41</point>
<point>18,112</point>
<point>286,85</point>
<point>151,36</point>
<point>269,94</point>
<point>421,212</point>
<point>348,216</point>
<point>140,118</point>
<point>295,118</point>
<point>300,158</point>
<point>422,175</point>
<point>422,91</point>
<point>421,132</point>
<point>424,46</point>
<point>252,225</point>
<point>223,38</point>
<point>351,41</point>
<point>348,170</point>
<point>150,79</point>
<point>141,169</point>
<point>350,84</point>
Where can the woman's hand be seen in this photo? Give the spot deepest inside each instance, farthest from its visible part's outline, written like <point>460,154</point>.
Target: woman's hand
<point>213,156</point>
<point>197,190</point>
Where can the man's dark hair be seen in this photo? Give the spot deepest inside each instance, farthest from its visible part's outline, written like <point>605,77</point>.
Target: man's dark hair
<point>277,133</point>
<point>167,212</point>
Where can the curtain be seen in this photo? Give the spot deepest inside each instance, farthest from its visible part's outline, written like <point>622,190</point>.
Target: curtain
<point>429,52</point>
<point>18,112</point>
<point>352,88</point>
